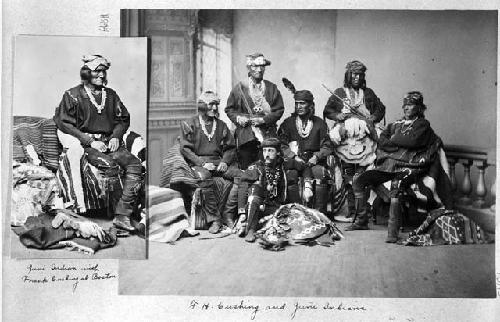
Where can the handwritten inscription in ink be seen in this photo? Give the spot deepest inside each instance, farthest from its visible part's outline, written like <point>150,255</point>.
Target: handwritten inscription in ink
<point>291,310</point>
<point>37,274</point>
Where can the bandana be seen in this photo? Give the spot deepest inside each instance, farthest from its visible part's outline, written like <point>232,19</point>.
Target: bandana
<point>303,95</point>
<point>94,61</point>
<point>413,98</point>
<point>257,59</point>
<point>271,143</point>
<point>209,97</point>
<point>355,66</point>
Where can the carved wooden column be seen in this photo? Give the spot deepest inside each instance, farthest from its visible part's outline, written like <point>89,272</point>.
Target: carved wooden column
<point>466,186</point>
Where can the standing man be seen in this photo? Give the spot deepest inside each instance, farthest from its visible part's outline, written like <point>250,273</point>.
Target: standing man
<point>91,120</point>
<point>254,106</point>
<point>305,138</point>
<point>353,107</point>
<point>263,186</point>
<point>208,147</point>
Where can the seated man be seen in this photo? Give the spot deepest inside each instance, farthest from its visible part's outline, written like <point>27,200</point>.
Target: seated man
<point>209,148</point>
<point>408,150</point>
<point>305,138</point>
<point>263,186</point>
<point>92,120</point>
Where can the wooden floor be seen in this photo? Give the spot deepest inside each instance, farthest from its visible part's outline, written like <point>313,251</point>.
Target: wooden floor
<point>361,265</point>
<point>131,247</point>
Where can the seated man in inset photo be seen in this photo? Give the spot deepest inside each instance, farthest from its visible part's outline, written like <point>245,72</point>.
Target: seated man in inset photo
<point>92,120</point>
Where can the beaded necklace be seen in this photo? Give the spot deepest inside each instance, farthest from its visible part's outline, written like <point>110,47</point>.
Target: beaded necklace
<point>204,128</point>
<point>99,107</point>
<point>272,177</point>
<point>304,131</point>
<point>409,126</point>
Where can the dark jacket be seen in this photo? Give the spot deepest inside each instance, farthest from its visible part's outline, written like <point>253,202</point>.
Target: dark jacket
<point>76,115</point>
<point>317,143</point>
<point>194,145</point>
<point>237,106</point>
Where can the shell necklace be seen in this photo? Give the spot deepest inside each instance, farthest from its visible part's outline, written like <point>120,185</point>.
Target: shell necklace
<point>99,107</point>
<point>304,131</point>
<point>204,128</point>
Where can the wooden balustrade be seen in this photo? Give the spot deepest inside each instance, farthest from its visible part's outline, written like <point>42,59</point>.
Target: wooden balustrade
<point>467,193</point>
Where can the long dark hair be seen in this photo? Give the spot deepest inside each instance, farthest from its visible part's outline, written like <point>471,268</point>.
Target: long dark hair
<point>86,75</point>
<point>348,80</point>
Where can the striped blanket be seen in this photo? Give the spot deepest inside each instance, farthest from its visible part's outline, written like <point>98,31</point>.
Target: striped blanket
<point>39,134</point>
<point>99,192</point>
<point>167,216</point>
<point>176,170</point>
<point>96,188</point>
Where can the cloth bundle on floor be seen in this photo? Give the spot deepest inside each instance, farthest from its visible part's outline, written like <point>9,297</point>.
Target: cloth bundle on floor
<point>34,188</point>
<point>42,232</point>
<point>168,219</point>
<point>297,224</point>
<point>447,227</point>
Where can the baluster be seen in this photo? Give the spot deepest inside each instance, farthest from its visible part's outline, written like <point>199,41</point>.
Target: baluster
<point>466,187</point>
<point>453,177</point>
<point>493,194</point>
<point>479,201</point>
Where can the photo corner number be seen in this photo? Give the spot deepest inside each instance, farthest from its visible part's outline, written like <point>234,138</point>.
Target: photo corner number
<point>104,21</point>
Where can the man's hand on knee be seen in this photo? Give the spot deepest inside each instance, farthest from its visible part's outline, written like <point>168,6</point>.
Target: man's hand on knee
<point>209,166</point>
<point>113,144</point>
<point>99,146</point>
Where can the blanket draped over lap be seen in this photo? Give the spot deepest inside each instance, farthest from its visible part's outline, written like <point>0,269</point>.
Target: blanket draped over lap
<point>176,170</point>
<point>447,227</point>
<point>297,224</point>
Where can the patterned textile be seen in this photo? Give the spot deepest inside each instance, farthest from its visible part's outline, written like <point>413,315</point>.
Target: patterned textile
<point>200,210</point>
<point>176,170</point>
<point>99,192</point>
<point>34,187</point>
<point>39,132</point>
<point>443,227</point>
<point>167,217</point>
<point>296,224</point>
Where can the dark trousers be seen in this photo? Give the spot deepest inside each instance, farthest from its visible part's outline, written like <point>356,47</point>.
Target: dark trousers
<point>248,153</point>
<point>373,178</point>
<point>111,163</point>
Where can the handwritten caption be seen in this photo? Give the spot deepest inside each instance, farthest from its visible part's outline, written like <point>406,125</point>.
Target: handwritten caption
<point>62,273</point>
<point>104,22</point>
<point>291,309</point>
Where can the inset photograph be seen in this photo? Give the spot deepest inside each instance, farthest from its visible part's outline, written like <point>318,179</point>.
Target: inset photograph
<point>78,148</point>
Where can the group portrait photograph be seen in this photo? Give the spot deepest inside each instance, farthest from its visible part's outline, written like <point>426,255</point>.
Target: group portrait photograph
<point>318,153</point>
